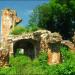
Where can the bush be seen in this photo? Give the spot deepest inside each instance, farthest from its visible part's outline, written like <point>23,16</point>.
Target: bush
<point>32,28</point>
<point>18,30</point>
<point>42,58</point>
<point>23,65</point>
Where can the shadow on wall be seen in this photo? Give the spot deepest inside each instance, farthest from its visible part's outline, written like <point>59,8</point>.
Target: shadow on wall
<point>27,47</point>
<point>55,47</point>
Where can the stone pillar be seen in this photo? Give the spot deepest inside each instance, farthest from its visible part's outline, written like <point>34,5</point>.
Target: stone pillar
<point>49,54</point>
<point>8,20</point>
<point>6,24</point>
<point>54,54</point>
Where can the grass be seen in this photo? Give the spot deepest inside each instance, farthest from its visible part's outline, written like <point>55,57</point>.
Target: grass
<point>23,65</point>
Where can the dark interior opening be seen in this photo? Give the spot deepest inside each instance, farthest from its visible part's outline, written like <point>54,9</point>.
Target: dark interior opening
<point>28,47</point>
<point>54,47</point>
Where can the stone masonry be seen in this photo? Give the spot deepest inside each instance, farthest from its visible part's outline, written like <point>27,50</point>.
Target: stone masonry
<point>8,20</point>
<point>41,39</point>
<point>47,41</point>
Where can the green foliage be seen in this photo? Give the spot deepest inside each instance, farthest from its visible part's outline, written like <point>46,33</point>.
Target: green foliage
<point>56,15</point>
<point>23,65</point>
<point>64,51</point>
<point>18,52</point>
<point>32,27</point>
<point>18,30</point>
<point>42,58</point>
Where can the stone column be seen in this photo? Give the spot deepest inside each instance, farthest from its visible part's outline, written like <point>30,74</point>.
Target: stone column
<point>54,54</point>
<point>8,20</point>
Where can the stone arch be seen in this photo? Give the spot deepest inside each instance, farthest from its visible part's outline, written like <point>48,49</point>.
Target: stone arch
<point>30,47</point>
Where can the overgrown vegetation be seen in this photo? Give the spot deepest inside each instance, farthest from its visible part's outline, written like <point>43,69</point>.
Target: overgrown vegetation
<point>23,65</point>
<point>18,30</point>
<point>56,15</point>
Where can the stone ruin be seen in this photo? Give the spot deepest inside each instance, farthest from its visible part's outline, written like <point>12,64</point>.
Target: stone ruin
<point>8,20</point>
<point>38,40</point>
<point>69,44</point>
<point>51,43</point>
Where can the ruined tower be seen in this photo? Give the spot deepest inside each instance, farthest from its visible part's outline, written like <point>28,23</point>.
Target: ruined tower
<point>8,20</point>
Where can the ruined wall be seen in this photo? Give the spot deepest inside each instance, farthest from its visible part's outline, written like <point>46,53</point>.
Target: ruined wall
<point>69,44</point>
<point>50,42</point>
<point>47,41</point>
<point>45,38</point>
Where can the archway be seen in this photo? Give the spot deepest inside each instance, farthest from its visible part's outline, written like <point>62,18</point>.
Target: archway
<point>27,47</point>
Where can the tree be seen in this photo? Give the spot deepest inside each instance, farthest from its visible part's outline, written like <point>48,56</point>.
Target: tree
<point>56,15</point>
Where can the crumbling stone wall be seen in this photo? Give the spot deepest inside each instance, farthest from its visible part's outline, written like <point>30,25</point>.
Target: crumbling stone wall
<point>50,42</point>
<point>45,40</point>
<point>44,37</point>
<point>69,44</point>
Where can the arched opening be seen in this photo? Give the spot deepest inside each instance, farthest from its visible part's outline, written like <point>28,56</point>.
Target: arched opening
<point>27,47</point>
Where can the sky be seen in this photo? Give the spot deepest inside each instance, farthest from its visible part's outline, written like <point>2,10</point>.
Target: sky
<point>23,8</point>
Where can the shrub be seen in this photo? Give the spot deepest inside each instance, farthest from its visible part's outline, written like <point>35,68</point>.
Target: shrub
<point>42,57</point>
<point>18,30</point>
<point>23,65</point>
